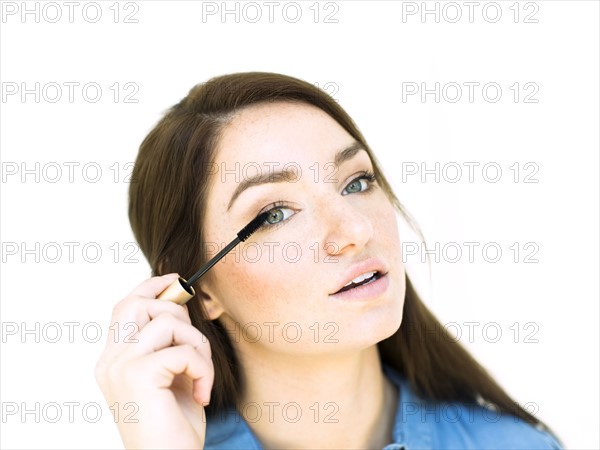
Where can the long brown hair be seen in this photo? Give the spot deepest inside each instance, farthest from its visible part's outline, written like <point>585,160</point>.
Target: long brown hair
<point>167,199</point>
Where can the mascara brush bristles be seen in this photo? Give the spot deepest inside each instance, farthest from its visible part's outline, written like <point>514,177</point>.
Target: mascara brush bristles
<point>249,229</point>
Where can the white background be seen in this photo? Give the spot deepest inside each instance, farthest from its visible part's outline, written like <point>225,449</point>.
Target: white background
<point>365,57</point>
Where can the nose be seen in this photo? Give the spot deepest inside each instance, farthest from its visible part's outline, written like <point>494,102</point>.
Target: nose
<point>348,228</point>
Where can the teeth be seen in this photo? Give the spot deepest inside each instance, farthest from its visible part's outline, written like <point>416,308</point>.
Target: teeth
<point>360,278</point>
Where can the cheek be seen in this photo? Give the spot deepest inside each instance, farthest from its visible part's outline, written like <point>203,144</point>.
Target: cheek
<point>389,229</point>
<point>259,288</point>
<point>391,247</point>
<point>385,226</point>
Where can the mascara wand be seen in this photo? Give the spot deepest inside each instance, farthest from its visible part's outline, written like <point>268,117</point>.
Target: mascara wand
<point>181,290</point>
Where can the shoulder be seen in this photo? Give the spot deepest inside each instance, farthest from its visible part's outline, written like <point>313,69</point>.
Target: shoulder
<point>472,426</point>
<point>423,424</point>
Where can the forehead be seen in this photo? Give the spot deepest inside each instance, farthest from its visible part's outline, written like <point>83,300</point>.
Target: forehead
<point>280,132</point>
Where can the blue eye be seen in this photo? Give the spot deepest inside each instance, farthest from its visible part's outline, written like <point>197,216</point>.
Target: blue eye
<point>278,213</point>
<point>360,184</point>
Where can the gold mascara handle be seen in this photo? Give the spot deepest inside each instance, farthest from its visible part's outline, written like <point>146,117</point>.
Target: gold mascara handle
<point>178,292</point>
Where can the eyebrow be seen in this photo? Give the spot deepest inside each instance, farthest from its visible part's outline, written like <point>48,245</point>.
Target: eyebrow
<point>280,176</point>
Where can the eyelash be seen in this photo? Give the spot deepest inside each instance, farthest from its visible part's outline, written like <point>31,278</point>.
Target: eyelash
<point>364,175</point>
<point>280,204</point>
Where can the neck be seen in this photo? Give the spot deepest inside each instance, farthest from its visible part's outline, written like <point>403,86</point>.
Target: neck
<point>342,401</point>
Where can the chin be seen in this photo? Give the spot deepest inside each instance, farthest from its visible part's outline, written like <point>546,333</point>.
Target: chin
<point>389,326</point>
<point>369,332</point>
<point>385,322</point>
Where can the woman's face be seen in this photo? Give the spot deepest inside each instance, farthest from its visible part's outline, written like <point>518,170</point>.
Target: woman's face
<point>330,224</point>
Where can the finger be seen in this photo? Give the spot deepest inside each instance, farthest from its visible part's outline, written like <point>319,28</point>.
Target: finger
<point>152,287</point>
<point>202,389</point>
<point>142,310</point>
<point>182,359</point>
<point>166,330</point>
<point>132,315</point>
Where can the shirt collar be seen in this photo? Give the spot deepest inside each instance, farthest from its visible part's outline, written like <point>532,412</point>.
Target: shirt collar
<point>410,430</point>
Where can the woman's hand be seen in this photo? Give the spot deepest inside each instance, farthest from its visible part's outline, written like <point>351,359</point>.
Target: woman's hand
<point>156,371</point>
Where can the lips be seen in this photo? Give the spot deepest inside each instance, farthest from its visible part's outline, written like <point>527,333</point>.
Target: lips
<point>361,280</point>
<point>361,273</point>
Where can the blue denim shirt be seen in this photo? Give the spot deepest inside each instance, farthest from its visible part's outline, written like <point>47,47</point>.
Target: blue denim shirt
<point>418,425</point>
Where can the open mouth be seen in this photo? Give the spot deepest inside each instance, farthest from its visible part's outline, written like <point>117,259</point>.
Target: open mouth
<point>353,284</point>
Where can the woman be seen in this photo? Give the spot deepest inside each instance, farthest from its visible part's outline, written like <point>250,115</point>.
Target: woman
<point>280,348</point>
